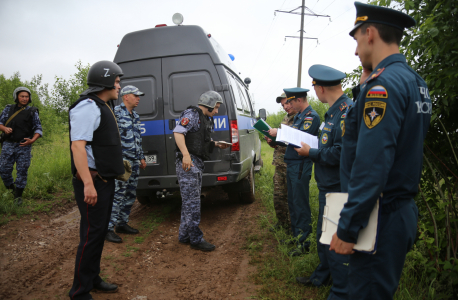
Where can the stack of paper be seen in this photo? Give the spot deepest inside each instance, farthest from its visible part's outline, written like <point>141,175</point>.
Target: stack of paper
<point>367,237</point>
<point>289,135</point>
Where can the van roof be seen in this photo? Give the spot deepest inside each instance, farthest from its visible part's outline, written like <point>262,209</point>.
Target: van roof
<point>171,41</point>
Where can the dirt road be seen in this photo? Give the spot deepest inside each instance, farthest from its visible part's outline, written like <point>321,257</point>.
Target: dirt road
<point>37,256</point>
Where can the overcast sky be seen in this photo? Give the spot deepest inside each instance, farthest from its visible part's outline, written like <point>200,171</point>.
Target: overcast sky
<point>49,36</point>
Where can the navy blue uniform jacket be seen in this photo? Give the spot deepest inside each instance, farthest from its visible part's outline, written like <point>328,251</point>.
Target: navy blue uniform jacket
<point>382,144</point>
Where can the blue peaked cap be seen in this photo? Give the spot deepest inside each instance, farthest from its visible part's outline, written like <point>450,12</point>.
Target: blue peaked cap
<point>366,13</point>
<point>294,93</point>
<point>325,76</point>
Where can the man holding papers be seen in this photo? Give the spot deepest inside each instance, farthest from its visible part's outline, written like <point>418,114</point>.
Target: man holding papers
<point>382,150</point>
<point>328,88</point>
<point>280,186</point>
<point>299,169</point>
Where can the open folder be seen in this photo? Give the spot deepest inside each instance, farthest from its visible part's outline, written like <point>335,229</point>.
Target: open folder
<point>367,237</point>
<point>263,127</point>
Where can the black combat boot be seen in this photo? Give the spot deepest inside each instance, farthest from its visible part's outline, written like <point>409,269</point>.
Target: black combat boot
<point>11,187</point>
<point>18,196</point>
<point>126,229</point>
<point>203,246</point>
<point>113,237</point>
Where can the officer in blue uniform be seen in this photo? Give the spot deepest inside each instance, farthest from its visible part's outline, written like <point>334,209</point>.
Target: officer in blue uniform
<point>328,88</point>
<point>194,145</point>
<point>22,127</point>
<point>382,149</point>
<point>96,160</point>
<point>299,170</point>
<point>131,141</point>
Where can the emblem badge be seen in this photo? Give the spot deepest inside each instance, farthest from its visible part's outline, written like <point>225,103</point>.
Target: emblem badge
<point>343,128</point>
<point>184,121</point>
<point>307,124</point>
<point>324,138</point>
<point>374,111</point>
<point>342,125</point>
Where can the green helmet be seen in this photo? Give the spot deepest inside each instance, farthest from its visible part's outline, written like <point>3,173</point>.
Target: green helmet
<point>209,99</point>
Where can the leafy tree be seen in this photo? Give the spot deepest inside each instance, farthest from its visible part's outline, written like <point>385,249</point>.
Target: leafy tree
<point>65,92</point>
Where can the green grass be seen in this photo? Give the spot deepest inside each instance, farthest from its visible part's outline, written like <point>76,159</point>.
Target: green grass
<point>276,271</point>
<point>48,180</point>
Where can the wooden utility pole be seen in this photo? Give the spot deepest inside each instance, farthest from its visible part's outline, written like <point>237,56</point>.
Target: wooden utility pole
<point>301,37</point>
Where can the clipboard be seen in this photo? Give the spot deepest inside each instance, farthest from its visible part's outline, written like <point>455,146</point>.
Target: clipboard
<point>367,237</point>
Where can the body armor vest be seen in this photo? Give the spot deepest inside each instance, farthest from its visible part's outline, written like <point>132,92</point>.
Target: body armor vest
<point>22,124</point>
<point>199,142</point>
<point>106,142</point>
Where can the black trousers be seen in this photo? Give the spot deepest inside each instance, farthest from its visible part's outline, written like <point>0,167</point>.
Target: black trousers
<point>93,229</point>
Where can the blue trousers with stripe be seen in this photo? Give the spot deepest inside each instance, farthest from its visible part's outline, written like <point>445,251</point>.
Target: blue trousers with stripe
<point>93,229</point>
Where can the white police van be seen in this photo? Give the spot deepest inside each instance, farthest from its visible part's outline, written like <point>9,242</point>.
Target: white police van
<point>173,66</point>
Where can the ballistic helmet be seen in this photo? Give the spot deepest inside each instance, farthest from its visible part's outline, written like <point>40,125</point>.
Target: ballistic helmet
<point>209,99</point>
<point>102,75</point>
<point>21,89</point>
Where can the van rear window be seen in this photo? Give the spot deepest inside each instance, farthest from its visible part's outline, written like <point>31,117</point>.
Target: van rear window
<point>186,88</point>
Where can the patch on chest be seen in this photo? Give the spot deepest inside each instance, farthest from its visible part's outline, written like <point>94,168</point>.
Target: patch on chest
<point>374,111</point>
<point>377,91</point>
<point>307,125</point>
<point>184,121</point>
<point>324,138</point>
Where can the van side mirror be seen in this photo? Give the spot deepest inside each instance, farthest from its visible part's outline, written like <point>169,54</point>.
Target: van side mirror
<point>262,114</point>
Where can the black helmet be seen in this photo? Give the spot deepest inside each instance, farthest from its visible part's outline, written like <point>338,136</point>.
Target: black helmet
<point>102,75</point>
<point>209,99</point>
<point>21,89</point>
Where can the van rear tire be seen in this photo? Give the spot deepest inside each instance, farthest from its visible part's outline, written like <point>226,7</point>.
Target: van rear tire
<point>248,188</point>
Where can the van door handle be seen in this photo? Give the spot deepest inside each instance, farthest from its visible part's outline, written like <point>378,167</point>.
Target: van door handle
<point>250,130</point>
<point>172,124</point>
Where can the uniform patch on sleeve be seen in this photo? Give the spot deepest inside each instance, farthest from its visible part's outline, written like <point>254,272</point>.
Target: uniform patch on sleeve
<point>324,138</point>
<point>184,121</point>
<point>342,124</point>
<point>377,91</point>
<point>374,111</point>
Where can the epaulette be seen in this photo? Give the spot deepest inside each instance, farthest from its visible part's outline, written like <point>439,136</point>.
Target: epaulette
<point>343,106</point>
<point>375,75</point>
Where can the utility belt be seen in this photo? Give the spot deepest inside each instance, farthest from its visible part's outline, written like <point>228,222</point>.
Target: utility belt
<point>94,175</point>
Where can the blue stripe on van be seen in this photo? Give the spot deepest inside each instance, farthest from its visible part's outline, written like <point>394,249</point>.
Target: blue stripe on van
<point>156,127</point>
<point>245,122</point>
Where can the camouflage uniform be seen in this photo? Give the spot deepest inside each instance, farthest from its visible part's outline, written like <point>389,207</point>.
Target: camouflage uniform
<point>190,184</point>
<point>12,153</point>
<point>280,187</point>
<point>131,141</point>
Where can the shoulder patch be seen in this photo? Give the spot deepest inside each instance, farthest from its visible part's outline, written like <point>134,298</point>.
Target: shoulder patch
<point>184,121</point>
<point>374,111</point>
<point>375,75</point>
<point>343,116</point>
<point>377,91</point>
<point>307,124</point>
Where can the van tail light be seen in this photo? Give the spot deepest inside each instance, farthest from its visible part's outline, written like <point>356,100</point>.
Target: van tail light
<point>161,25</point>
<point>235,136</point>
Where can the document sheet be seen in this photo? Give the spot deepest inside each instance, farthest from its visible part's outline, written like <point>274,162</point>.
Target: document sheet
<point>289,135</point>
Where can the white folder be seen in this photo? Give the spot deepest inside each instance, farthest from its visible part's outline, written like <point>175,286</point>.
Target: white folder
<point>367,237</point>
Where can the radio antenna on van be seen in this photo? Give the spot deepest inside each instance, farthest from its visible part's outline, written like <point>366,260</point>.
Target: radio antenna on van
<point>310,13</point>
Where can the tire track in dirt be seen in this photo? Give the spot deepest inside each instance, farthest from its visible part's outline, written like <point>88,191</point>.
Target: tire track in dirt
<point>37,258</point>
